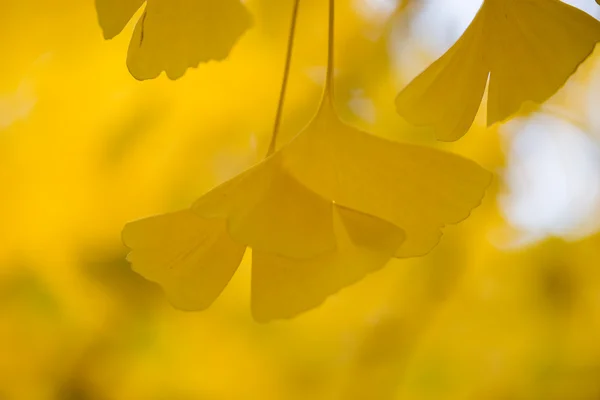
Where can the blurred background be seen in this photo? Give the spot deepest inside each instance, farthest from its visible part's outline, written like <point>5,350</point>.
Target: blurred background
<point>507,307</point>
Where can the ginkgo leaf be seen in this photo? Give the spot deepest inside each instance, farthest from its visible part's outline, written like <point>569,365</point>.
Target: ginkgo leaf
<point>335,204</point>
<point>529,48</point>
<point>113,15</point>
<point>536,48</point>
<point>416,188</point>
<point>283,287</point>
<point>319,213</point>
<point>192,258</point>
<point>174,35</point>
<point>448,94</point>
<point>269,210</point>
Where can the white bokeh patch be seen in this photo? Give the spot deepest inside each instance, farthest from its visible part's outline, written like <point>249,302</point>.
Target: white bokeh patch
<point>552,179</point>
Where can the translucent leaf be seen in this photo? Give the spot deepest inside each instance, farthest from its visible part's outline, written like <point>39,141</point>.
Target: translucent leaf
<point>269,210</point>
<point>529,48</point>
<point>283,287</point>
<point>447,95</point>
<point>192,258</point>
<point>416,188</point>
<point>533,52</point>
<point>174,35</point>
<point>113,15</point>
<point>319,214</point>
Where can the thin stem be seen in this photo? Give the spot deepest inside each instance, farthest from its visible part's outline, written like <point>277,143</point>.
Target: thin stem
<point>330,50</point>
<point>286,75</point>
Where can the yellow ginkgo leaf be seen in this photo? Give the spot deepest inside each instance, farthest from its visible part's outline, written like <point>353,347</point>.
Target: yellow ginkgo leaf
<point>174,35</point>
<point>269,210</point>
<point>192,258</point>
<point>304,243</point>
<point>529,48</point>
<point>319,213</point>
<point>447,95</point>
<point>114,15</point>
<point>283,287</point>
<point>418,189</point>
<point>549,38</point>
